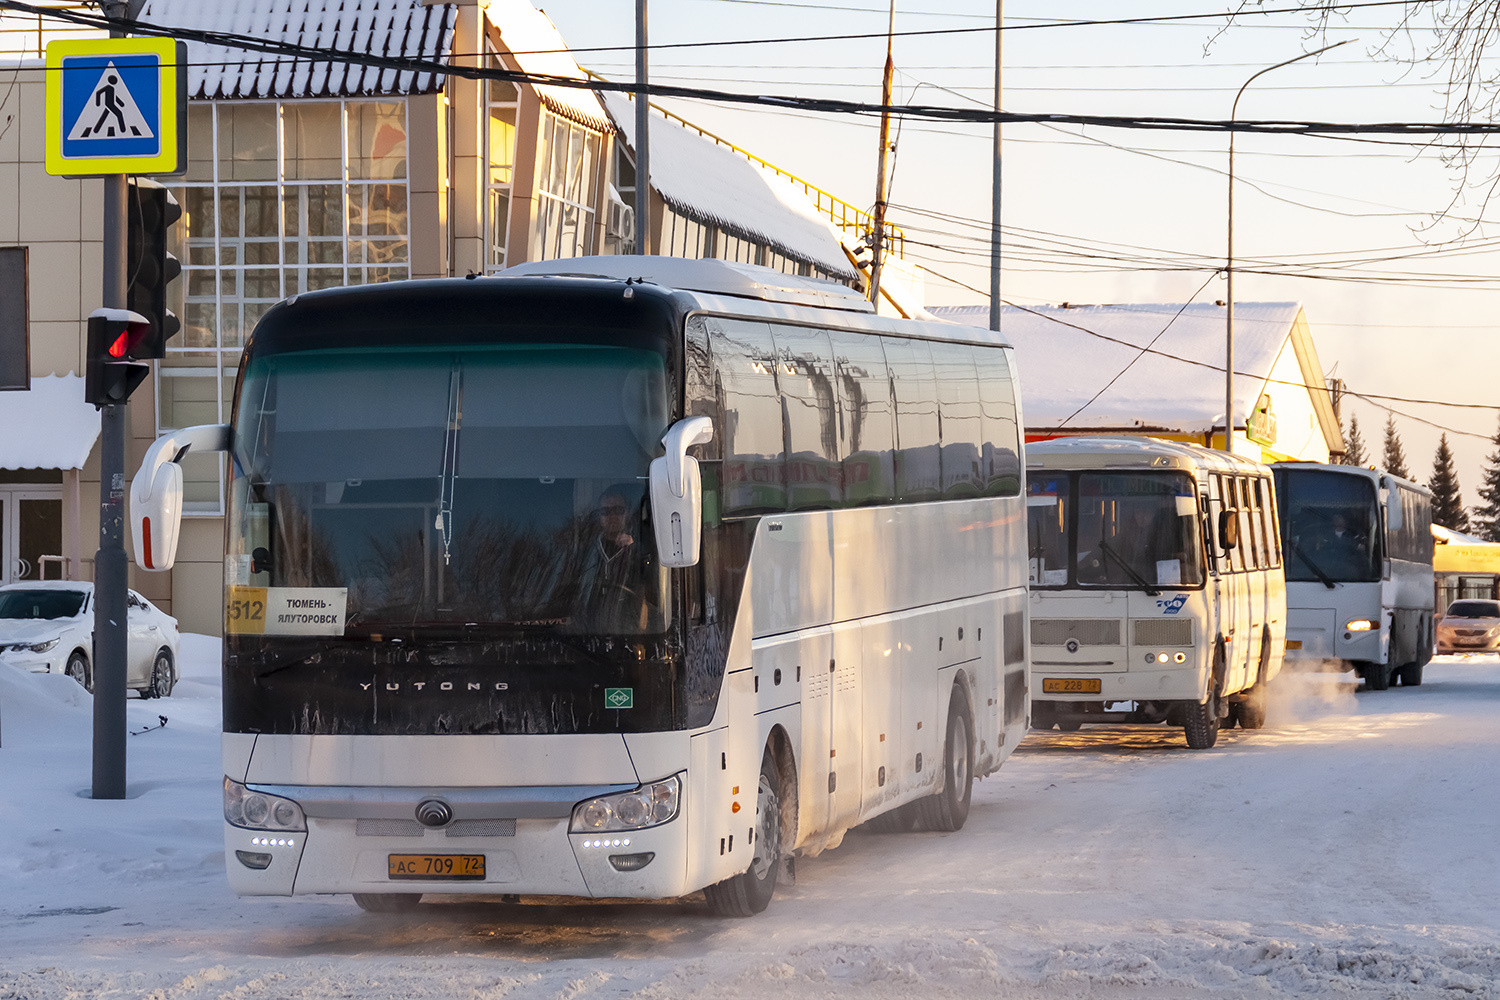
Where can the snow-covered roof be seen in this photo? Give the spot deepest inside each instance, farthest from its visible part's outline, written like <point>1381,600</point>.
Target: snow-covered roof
<point>710,183</point>
<point>49,427</point>
<point>380,27</point>
<point>536,47</point>
<point>1447,536</point>
<point>1066,354</point>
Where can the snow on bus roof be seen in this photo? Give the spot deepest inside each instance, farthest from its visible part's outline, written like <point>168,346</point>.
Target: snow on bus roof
<point>1067,354</point>
<point>701,178</point>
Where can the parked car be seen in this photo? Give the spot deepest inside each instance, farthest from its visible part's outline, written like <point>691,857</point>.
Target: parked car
<point>1469,626</point>
<point>47,626</point>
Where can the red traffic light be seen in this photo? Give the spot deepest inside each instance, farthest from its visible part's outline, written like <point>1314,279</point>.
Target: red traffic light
<point>115,338</point>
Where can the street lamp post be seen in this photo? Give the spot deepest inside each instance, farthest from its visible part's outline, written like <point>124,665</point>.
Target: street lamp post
<point>1229,252</point>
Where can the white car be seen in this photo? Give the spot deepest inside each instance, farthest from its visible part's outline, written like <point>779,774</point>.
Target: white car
<point>47,626</point>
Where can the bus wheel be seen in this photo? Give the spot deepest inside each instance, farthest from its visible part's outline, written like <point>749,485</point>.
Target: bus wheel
<point>1410,675</point>
<point>1377,676</point>
<point>387,902</point>
<point>1070,726</point>
<point>750,891</point>
<point>898,820</point>
<point>1201,722</point>
<point>949,808</point>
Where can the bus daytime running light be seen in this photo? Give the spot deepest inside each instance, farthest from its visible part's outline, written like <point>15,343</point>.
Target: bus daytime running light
<point>1360,625</point>
<point>649,805</point>
<point>254,810</point>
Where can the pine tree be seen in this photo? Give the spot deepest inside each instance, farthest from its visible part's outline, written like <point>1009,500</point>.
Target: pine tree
<point>1354,452</point>
<point>1447,497</point>
<point>1395,458</point>
<point>1486,520</point>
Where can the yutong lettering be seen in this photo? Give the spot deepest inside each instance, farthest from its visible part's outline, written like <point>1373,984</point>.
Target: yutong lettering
<point>442,686</point>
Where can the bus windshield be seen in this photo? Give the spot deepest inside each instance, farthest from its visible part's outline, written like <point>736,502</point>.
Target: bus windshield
<point>490,486</point>
<point>1120,530</point>
<point>1330,526</point>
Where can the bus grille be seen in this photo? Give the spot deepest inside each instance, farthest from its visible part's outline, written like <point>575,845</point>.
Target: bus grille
<point>1163,631</point>
<point>1086,631</point>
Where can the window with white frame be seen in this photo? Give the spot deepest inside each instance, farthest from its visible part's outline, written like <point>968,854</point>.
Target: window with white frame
<point>502,100</point>
<point>568,159</point>
<point>280,198</point>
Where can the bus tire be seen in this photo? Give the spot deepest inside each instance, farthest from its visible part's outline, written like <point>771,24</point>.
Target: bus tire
<point>947,810</point>
<point>1251,711</point>
<point>1410,675</point>
<point>387,902</point>
<point>898,820</point>
<point>749,892</point>
<point>1200,722</point>
<point>1377,676</point>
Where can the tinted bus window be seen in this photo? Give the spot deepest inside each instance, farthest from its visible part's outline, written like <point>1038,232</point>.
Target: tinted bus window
<point>1330,526</point>
<point>918,465</point>
<point>753,477</point>
<point>961,426</point>
<point>868,412</point>
<point>812,417</point>
<point>1000,464</point>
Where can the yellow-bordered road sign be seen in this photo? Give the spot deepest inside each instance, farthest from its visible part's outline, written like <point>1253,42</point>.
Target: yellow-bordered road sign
<point>116,106</point>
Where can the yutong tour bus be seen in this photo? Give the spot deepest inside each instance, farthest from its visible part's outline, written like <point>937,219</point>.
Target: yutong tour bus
<point>560,585</point>
<point>1157,593</point>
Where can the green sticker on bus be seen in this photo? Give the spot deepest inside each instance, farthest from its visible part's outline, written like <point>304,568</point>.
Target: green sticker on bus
<point>619,697</point>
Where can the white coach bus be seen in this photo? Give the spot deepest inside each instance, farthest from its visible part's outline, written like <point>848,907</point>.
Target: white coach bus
<point>1156,587</point>
<point>1359,587</point>
<point>628,580</point>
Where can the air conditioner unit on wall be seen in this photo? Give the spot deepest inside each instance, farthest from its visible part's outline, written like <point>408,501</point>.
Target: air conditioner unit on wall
<point>619,223</point>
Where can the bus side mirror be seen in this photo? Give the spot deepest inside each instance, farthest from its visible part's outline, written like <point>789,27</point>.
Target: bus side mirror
<point>677,493</point>
<point>156,493</point>
<point>1393,510</point>
<point>1229,529</point>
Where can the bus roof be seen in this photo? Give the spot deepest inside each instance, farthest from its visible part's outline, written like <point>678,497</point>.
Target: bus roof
<point>1124,452</point>
<point>717,277</point>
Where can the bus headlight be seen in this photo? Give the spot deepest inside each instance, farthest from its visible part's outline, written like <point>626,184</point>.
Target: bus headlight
<point>649,805</point>
<point>258,811</point>
<point>1359,625</point>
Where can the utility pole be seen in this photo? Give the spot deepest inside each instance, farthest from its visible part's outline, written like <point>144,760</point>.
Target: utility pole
<point>642,137</point>
<point>111,570</point>
<point>877,246</point>
<point>995,304</point>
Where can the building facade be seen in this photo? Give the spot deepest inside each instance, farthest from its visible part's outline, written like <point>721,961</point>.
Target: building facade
<point>306,175</point>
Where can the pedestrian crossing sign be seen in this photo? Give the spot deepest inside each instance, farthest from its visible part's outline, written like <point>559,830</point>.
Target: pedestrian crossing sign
<point>116,106</point>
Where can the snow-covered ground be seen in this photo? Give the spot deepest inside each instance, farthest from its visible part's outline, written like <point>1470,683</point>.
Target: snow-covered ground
<point>1348,850</point>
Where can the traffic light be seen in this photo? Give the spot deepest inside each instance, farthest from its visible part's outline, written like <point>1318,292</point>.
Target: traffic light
<point>116,336</point>
<point>149,267</point>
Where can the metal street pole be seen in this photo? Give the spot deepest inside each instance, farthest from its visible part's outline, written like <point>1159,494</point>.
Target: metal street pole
<point>1229,251</point>
<point>877,246</point>
<point>995,179</point>
<point>642,137</point>
<point>111,570</point>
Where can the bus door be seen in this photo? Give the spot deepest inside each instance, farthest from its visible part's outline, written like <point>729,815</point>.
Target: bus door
<point>1232,605</point>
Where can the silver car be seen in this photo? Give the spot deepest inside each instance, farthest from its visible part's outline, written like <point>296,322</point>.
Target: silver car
<point>47,626</point>
<point>1469,626</point>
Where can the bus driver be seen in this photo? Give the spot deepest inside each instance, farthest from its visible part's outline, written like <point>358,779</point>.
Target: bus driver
<point>616,573</point>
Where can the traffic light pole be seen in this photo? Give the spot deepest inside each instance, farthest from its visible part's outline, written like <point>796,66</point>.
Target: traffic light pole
<point>111,579</point>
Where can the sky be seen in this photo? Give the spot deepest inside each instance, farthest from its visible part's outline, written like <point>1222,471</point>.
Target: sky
<point>1385,246</point>
<point>1342,851</point>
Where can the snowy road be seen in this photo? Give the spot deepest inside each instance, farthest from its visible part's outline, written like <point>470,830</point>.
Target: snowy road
<point>1350,849</point>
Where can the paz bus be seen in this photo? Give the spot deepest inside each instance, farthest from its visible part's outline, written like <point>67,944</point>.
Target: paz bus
<point>605,577</point>
<point>1359,588</point>
<point>1156,586</point>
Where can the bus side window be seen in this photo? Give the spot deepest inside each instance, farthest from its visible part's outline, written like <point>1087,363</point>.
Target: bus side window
<point>753,476</point>
<point>810,405</point>
<point>700,390</point>
<point>961,426</point>
<point>918,466</point>
<point>1256,559</point>
<point>868,448</point>
<point>1000,464</point>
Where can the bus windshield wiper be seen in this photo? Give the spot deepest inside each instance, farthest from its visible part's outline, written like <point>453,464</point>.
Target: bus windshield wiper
<point>1308,561</point>
<point>1141,581</point>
